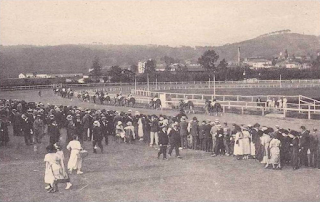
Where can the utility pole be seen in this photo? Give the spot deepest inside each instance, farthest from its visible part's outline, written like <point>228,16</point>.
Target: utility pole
<point>214,84</point>
<point>135,84</point>
<point>148,81</point>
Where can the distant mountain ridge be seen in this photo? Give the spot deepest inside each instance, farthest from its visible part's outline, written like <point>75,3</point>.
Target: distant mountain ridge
<point>78,58</point>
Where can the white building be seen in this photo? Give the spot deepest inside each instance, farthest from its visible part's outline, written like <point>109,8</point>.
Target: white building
<point>141,67</point>
<point>43,76</point>
<point>29,75</point>
<point>22,76</point>
<point>257,63</point>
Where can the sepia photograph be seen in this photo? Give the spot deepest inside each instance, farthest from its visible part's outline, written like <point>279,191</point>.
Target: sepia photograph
<point>159,100</point>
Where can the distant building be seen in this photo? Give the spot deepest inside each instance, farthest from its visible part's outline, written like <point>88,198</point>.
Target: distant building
<point>160,67</point>
<point>30,75</point>
<point>43,76</point>
<point>258,63</point>
<point>70,75</point>
<point>141,67</point>
<point>21,76</point>
<point>289,65</point>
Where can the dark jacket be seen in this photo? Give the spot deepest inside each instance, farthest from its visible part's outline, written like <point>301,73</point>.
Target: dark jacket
<point>194,129</point>
<point>96,133</point>
<point>183,128</point>
<point>163,138</point>
<point>174,136</point>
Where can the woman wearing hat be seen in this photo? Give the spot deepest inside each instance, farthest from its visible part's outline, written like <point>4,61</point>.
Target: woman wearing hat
<point>274,146</point>
<point>265,140</point>
<point>129,133</point>
<point>246,143</point>
<point>119,131</point>
<point>238,149</point>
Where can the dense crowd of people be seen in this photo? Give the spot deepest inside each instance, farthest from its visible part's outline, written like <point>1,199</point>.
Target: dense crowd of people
<point>274,148</point>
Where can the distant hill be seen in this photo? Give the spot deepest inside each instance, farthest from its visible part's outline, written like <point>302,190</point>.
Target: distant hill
<point>270,46</point>
<point>78,58</point>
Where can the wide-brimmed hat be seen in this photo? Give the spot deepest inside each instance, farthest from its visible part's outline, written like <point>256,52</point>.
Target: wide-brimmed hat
<point>96,123</point>
<point>69,117</point>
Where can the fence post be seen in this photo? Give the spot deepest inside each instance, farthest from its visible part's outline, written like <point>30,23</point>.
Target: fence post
<point>262,111</point>
<point>309,114</point>
<point>224,109</point>
<point>237,97</point>
<point>242,110</point>
<point>299,101</point>
<point>284,112</point>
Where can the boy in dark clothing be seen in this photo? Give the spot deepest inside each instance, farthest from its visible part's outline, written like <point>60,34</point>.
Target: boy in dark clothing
<point>163,143</point>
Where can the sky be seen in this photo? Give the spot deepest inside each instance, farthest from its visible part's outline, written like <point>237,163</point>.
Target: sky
<point>141,22</point>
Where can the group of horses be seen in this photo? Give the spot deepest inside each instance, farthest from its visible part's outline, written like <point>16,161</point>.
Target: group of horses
<point>210,108</point>
<point>63,92</point>
<point>104,98</point>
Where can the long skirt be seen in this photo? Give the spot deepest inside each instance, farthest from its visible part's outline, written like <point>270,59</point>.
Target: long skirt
<point>53,172</point>
<point>75,161</point>
<point>274,155</point>
<point>238,148</point>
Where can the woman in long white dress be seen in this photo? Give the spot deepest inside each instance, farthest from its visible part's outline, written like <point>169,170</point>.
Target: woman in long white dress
<point>54,170</point>
<point>265,140</point>
<point>75,160</point>
<point>238,148</point>
<point>246,143</point>
<point>274,146</point>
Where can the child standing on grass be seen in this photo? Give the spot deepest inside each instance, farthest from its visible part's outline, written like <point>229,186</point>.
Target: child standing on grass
<point>163,142</point>
<point>64,172</point>
<point>54,170</point>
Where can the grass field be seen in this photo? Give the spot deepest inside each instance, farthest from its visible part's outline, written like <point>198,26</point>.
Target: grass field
<point>133,173</point>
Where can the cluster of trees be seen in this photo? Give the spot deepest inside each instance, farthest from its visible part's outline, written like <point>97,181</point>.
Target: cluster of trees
<point>209,62</point>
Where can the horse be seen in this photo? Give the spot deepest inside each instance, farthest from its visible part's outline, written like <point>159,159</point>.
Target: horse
<point>211,109</point>
<point>217,108</point>
<point>119,100</point>
<point>107,98</point>
<point>187,106</point>
<point>156,104</point>
<point>131,100</point>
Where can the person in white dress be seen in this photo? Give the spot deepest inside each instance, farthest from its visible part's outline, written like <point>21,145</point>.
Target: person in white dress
<point>274,146</point>
<point>246,143</point>
<point>75,160</point>
<point>65,174</point>
<point>265,141</point>
<point>238,149</point>
<point>54,170</point>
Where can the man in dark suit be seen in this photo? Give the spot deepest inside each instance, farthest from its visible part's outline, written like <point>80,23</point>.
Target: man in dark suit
<point>304,145</point>
<point>27,126</point>
<point>104,129</point>
<point>96,136</point>
<point>163,142</point>
<point>174,136</point>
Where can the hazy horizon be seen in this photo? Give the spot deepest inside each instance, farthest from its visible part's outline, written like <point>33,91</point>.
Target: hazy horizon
<point>172,23</point>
